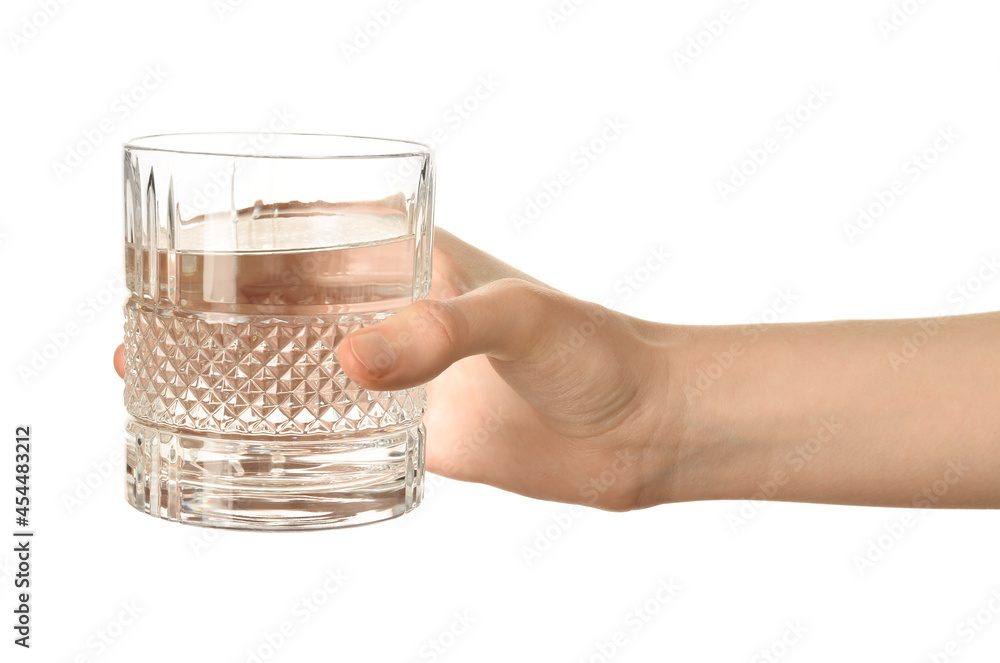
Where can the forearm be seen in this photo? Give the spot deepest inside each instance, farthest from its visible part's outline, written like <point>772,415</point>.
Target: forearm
<point>839,412</point>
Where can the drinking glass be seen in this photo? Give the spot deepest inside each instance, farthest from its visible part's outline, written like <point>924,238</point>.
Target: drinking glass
<point>248,258</point>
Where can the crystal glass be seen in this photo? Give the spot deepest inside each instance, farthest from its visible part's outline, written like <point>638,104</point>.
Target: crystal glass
<point>248,258</point>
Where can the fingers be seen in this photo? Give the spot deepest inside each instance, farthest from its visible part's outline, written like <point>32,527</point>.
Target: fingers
<point>505,319</point>
<point>120,361</point>
<point>460,267</point>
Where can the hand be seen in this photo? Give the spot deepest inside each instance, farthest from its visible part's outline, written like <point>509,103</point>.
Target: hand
<point>555,398</point>
<point>530,390</point>
<point>536,392</point>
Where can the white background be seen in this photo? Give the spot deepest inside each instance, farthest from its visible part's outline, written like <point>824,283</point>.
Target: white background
<point>655,186</point>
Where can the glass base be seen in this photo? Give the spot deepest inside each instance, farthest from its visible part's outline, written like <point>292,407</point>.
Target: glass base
<point>273,483</point>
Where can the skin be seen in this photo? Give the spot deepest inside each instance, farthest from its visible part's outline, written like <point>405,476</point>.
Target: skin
<point>535,392</point>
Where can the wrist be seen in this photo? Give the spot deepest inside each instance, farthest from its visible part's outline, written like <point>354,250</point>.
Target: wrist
<point>697,450</point>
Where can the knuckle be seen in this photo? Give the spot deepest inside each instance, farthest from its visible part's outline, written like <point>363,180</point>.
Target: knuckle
<point>525,294</point>
<point>439,317</point>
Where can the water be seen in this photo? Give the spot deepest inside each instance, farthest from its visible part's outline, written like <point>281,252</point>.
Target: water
<point>240,414</point>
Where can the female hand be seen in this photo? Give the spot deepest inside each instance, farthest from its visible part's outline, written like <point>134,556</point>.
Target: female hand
<point>536,392</point>
<point>530,390</point>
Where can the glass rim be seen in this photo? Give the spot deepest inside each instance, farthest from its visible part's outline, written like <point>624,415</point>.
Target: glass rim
<point>407,148</point>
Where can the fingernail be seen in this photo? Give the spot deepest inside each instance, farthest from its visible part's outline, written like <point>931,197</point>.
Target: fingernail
<point>374,353</point>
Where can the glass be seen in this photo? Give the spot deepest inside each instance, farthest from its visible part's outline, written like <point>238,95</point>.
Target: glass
<point>248,258</point>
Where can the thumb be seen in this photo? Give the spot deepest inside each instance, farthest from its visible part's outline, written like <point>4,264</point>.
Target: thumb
<point>504,319</point>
